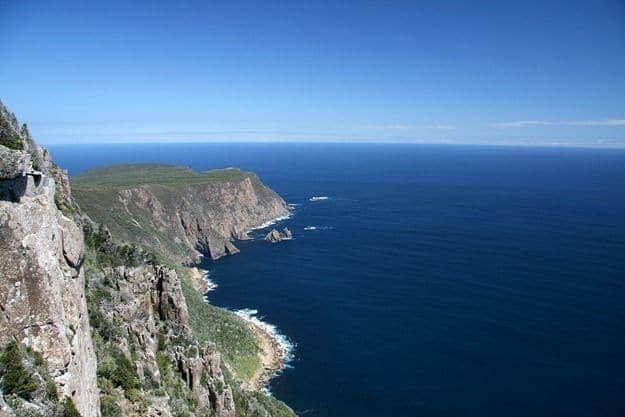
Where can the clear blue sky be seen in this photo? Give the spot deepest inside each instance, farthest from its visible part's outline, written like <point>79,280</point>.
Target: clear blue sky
<point>430,71</point>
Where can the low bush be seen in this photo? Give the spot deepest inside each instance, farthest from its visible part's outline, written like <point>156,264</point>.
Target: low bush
<point>15,378</point>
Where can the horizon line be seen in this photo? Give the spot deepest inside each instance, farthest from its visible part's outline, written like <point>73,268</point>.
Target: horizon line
<point>551,144</point>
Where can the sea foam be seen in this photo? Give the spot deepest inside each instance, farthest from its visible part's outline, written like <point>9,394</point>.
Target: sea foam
<point>272,222</point>
<point>210,284</point>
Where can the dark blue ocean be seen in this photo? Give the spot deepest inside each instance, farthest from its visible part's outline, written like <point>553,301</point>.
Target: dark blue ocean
<point>441,280</point>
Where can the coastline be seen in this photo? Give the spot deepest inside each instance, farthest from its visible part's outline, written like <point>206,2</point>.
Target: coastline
<point>275,351</point>
<point>200,281</point>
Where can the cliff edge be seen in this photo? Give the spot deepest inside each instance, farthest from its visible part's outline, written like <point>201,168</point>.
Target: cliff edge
<point>175,210</point>
<point>42,300</point>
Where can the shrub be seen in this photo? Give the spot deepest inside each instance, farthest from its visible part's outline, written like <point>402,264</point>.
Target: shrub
<point>124,375</point>
<point>69,409</point>
<point>109,407</point>
<point>15,379</point>
<point>8,136</point>
<point>51,392</point>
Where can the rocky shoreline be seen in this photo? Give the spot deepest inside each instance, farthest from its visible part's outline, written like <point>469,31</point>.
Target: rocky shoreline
<point>272,356</point>
<point>199,280</point>
<point>274,352</point>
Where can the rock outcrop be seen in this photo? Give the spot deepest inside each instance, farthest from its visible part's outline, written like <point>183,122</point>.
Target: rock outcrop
<point>42,299</point>
<point>145,306</point>
<point>274,236</point>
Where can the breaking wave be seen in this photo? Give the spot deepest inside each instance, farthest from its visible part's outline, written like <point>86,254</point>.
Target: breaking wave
<point>210,284</point>
<point>286,345</point>
<point>272,222</point>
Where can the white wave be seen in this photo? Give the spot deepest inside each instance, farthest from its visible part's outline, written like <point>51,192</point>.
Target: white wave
<point>286,345</point>
<point>318,198</point>
<point>294,205</point>
<point>310,228</point>
<point>210,284</point>
<point>272,222</point>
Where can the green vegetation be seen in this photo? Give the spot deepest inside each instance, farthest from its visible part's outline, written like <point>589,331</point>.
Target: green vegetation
<point>119,371</point>
<point>103,205</point>
<point>247,405</point>
<point>9,137</point>
<point>229,332</point>
<point>109,406</point>
<point>25,378</point>
<point>69,408</point>
<point>144,174</point>
<point>105,253</point>
<point>15,378</point>
<point>61,202</point>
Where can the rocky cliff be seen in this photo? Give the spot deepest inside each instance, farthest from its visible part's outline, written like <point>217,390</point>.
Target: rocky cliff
<point>175,210</point>
<point>150,362</point>
<point>42,299</point>
<point>103,320</point>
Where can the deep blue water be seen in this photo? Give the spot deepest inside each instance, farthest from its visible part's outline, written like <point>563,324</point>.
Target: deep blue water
<point>441,281</point>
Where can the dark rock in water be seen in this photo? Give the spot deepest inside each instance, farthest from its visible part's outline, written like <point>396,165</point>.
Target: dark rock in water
<point>275,236</point>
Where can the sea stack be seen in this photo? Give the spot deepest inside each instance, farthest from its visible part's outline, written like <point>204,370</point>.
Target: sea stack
<point>275,236</point>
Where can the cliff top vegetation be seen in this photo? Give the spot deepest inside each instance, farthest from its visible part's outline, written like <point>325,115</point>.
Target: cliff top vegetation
<point>130,175</point>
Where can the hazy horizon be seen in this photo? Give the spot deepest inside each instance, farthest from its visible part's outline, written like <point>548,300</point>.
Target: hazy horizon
<point>617,145</point>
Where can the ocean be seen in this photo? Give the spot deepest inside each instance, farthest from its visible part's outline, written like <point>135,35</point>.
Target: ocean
<point>437,281</point>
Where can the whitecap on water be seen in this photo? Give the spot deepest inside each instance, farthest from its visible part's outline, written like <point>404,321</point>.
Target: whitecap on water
<point>318,198</point>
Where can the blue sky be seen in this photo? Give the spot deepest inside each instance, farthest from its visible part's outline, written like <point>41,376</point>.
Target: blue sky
<point>434,71</point>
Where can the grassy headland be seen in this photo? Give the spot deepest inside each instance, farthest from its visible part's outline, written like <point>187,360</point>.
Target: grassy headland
<point>132,175</point>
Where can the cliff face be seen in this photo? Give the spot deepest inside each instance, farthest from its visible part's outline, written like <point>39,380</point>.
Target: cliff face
<point>42,298</point>
<point>150,361</point>
<point>197,213</point>
<point>92,325</point>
